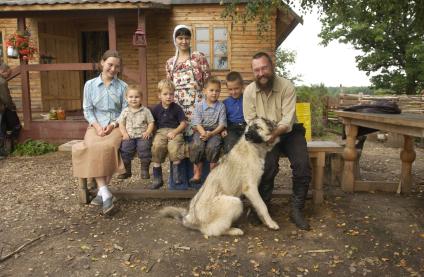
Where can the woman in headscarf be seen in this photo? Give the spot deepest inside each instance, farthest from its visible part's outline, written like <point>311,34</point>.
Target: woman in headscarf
<point>97,156</point>
<point>188,70</point>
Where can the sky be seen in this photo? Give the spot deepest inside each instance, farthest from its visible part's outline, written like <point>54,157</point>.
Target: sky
<point>332,65</point>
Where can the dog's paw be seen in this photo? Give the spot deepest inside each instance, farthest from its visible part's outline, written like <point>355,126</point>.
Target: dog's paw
<point>235,232</point>
<point>273,225</point>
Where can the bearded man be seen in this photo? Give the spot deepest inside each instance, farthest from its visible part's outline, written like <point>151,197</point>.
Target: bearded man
<point>274,98</point>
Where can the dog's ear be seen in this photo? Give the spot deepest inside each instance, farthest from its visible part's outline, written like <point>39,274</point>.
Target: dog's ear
<point>270,123</point>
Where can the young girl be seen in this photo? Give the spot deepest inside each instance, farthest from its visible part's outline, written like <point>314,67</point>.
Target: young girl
<point>136,125</point>
<point>97,156</point>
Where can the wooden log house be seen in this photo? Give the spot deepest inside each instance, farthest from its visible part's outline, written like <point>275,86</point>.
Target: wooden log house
<point>71,35</point>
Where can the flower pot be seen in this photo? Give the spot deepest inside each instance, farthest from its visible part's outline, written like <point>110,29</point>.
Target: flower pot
<point>12,52</point>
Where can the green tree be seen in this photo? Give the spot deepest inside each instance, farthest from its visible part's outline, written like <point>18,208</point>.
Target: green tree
<point>390,33</point>
<point>387,32</point>
<point>284,58</point>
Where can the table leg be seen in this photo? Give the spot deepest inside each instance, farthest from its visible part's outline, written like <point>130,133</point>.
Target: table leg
<point>349,156</point>
<point>318,180</point>
<point>91,184</point>
<point>407,155</point>
<point>83,191</point>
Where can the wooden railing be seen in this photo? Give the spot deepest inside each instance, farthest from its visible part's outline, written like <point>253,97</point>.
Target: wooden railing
<point>53,130</point>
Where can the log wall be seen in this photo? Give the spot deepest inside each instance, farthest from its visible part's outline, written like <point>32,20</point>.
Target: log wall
<point>65,88</point>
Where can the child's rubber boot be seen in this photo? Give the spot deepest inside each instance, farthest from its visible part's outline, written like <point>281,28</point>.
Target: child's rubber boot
<point>157,178</point>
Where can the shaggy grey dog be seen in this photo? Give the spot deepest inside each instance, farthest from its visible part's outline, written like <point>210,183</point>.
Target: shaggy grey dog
<point>217,204</point>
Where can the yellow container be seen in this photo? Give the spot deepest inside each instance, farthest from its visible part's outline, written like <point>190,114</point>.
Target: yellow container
<point>303,114</point>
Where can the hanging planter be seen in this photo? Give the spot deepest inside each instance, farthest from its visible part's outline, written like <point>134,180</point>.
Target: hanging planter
<point>12,52</point>
<point>20,45</point>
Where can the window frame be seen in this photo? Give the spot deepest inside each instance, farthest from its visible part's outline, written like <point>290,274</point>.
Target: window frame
<point>211,28</point>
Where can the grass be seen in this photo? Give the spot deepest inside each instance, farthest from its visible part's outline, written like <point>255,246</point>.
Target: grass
<point>33,148</point>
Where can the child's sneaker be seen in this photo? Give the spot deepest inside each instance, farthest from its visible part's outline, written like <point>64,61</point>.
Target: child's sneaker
<point>193,181</point>
<point>97,201</point>
<point>108,206</point>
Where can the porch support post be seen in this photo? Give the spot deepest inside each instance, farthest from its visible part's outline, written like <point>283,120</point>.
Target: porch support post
<point>26,98</point>
<point>111,25</point>
<point>142,59</point>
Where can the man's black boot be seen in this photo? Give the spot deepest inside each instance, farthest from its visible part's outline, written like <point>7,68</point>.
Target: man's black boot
<point>127,173</point>
<point>298,203</point>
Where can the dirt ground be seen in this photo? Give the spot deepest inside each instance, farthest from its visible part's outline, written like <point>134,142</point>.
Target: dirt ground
<point>361,234</point>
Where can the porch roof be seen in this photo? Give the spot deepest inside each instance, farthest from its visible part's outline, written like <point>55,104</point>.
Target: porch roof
<point>53,2</point>
<point>66,5</point>
<point>286,21</point>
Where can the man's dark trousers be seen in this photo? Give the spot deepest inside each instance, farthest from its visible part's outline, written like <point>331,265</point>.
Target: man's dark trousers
<point>294,146</point>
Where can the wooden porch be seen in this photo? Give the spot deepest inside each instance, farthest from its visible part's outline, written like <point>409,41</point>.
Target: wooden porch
<point>73,127</point>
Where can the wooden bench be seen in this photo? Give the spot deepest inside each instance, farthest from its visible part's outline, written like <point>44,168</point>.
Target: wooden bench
<point>317,153</point>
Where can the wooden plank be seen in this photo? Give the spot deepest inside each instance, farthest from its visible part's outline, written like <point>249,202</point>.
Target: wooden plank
<point>375,186</point>
<point>21,24</point>
<point>135,194</point>
<point>404,119</point>
<point>399,128</point>
<point>14,72</point>
<point>61,66</point>
<point>324,146</point>
<point>142,60</point>
<point>407,156</point>
<point>74,15</point>
<point>85,6</point>
<point>131,74</point>
<point>25,85</point>
<point>53,36</point>
<point>55,130</point>
<point>111,26</point>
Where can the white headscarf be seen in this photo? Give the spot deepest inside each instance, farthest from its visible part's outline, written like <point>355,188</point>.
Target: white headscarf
<point>178,27</point>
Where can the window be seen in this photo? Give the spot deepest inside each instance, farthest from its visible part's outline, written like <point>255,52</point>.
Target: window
<point>213,42</point>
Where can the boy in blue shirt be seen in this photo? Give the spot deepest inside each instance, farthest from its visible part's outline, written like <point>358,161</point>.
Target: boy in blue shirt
<point>234,107</point>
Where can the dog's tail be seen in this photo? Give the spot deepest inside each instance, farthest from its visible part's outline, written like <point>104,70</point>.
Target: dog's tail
<point>174,212</point>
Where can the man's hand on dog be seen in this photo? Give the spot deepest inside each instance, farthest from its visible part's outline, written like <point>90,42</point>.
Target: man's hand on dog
<point>281,129</point>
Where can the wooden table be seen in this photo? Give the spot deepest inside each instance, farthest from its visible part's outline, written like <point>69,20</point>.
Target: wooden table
<point>408,125</point>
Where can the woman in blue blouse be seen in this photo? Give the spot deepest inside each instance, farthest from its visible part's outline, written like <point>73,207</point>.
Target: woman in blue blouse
<point>97,156</point>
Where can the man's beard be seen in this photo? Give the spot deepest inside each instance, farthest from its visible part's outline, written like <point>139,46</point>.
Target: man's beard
<point>268,85</point>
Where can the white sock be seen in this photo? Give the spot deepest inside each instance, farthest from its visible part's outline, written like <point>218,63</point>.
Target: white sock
<point>104,193</point>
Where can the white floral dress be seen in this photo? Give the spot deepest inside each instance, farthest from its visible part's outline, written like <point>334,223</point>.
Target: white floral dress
<point>188,77</point>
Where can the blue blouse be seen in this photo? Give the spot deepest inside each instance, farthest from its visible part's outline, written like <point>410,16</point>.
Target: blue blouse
<point>103,104</point>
